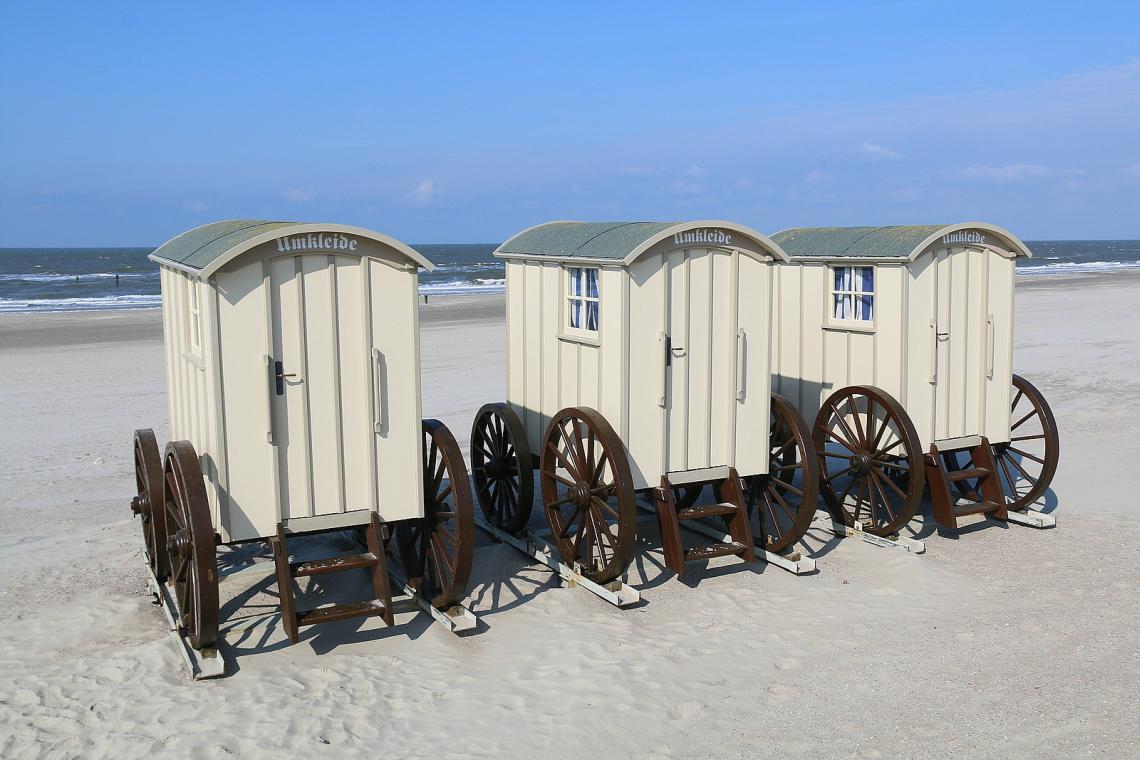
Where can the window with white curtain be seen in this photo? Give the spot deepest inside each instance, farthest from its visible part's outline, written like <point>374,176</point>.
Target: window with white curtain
<point>582,298</point>
<point>853,296</point>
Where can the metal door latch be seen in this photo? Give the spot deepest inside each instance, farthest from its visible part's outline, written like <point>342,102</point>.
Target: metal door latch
<point>943,336</point>
<point>279,376</point>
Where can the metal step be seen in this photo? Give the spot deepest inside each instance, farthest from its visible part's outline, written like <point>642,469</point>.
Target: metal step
<point>332,564</point>
<point>974,508</point>
<point>369,608</point>
<point>716,550</point>
<point>708,510</point>
<point>973,472</point>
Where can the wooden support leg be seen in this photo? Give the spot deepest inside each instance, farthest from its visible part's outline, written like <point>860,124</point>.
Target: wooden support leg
<point>738,524</point>
<point>285,585</point>
<point>670,527</point>
<point>940,499</point>
<point>380,586</point>
<point>983,457</point>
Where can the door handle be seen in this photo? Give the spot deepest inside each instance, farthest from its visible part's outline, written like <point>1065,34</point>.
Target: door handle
<point>663,338</point>
<point>677,352</point>
<point>943,336</point>
<point>279,375</point>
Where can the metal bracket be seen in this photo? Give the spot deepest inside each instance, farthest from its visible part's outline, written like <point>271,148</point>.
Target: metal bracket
<point>796,563</point>
<point>898,542</point>
<point>616,592</point>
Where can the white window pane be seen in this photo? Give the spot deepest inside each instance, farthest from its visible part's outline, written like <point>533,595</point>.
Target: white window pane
<point>864,308</point>
<point>592,315</point>
<point>592,283</point>
<point>575,281</point>
<point>841,278</point>
<point>867,278</point>
<point>843,307</point>
<point>575,313</point>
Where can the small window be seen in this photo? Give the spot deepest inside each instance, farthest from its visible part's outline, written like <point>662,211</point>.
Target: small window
<point>854,294</point>
<point>195,331</point>
<point>582,298</point>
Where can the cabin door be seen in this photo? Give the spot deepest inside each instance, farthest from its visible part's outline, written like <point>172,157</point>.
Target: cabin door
<point>959,335</point>
<point>343,384</point>
<point>704,338</point>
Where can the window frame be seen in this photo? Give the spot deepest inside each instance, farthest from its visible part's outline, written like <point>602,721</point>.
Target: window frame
<point>569,298</point>
<point>852,322</point>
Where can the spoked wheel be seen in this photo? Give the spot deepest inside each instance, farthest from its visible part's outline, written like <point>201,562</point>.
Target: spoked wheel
<point>148,503</point>
<point>587,492</point>
<point>785,498</point>
<point>437,548</point>
<point>502,467</point>
<point>870,461</point>
<point>190,545</point>
<point>1027,463</point>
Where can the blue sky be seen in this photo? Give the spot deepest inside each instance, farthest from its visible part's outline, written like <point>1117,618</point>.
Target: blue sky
<point>124,124</point>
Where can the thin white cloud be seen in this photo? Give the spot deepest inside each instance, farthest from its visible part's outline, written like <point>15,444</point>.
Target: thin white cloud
<point>423,194</point>
<point>879,153</point>
<point>195,207</point>
<point>697,171</point>
<point>685,186</point>
<point>641,170</point>
<point>1133,170</point>
<point>1006,173</point>
<point>298,195</point>
<point>817,177</point>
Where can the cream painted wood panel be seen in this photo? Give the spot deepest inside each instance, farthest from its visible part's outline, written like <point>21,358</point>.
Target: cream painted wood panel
<point>999,348</point>
<point>750,400</point>
<point>249,503</point>
<point>398,434</point>
<point>646,387</point>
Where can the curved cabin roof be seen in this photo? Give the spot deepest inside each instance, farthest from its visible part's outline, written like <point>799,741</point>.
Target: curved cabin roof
<point>203,250</point>
<point>903,243</point>
<point>622,242</point>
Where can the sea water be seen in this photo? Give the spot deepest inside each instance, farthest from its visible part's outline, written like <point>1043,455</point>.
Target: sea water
<point>83,279</point>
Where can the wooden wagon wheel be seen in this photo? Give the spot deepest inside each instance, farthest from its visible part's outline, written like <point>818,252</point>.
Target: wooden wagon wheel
<point>437,548</point>
<point>502,467</point>
<point>190,545</point>
<point>1027,463</point>
<point>587,492</point>
<point>870,460</point>
<point>785,498</point>
<point>147,504</point>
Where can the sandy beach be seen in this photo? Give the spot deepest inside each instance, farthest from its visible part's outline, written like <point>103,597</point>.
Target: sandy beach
<point>999,640</point>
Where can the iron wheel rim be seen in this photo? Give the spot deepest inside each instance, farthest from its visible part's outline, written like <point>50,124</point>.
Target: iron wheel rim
<point>437,549</point>
<point>587,494</point>
<point>872,455</point>
<point>502,468</point>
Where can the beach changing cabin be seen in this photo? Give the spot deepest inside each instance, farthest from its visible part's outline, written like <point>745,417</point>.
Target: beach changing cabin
<point>920,314</point>
<point>659,330</point>
<point>292,354</point>
<point>293,377</point>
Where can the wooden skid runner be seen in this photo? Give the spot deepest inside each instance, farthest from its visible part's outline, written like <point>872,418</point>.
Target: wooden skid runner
<point>795,563</point>
<point>616,593</point>
<point>911,545</point>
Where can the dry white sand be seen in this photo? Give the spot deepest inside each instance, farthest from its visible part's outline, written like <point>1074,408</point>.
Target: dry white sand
<point>997,642</point>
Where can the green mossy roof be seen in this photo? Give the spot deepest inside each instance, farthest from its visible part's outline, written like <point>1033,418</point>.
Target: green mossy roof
<point>585,240</point>
<point>202,245</point>
<point>867,242</point>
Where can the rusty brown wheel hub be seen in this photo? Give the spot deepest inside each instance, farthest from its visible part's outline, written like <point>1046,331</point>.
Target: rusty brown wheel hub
<point>861,463</point>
